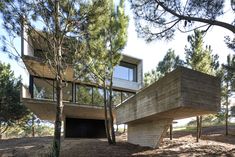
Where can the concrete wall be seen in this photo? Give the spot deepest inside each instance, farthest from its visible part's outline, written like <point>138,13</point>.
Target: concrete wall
<point>180,94</point>
<point>148,133</point>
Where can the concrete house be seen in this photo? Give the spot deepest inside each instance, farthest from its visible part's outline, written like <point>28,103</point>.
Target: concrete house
<point>83,114</point>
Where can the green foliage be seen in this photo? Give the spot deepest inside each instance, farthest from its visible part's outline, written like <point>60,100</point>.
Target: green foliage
<point>208,120</point>
<point>151,77</point>
<point>41,129</point>
<point>11,109</point>
<point>106,37</point>
<point>169,63</point>
<point>200,58</point>
<point>160,19</point>
<point>230,42</point>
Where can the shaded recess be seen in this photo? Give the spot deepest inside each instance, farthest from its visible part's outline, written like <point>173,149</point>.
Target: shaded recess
<point>84,128</point>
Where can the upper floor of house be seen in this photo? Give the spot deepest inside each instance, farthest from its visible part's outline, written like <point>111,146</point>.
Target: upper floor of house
<point>127,77</point>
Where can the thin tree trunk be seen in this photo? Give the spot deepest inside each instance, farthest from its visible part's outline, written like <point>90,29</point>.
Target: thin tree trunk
<point>106,115</point>
<point>59,101</point>
<point>0,130</point>
<point>33,126</point>
<point>110,110</point>
<point>197,128</point>
<point>200,126</point>
<point>226,114</point>
<point>171,135</point>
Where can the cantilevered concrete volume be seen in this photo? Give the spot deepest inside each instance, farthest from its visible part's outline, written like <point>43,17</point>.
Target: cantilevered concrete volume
<point>180,94</point>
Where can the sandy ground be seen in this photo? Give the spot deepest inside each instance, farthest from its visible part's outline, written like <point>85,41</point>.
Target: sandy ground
<point>213,143</point>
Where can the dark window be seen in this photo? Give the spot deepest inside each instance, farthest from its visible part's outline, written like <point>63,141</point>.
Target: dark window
<point>126,71</point>
<point>98,96</point>
<point>42,88</point>
<point>84,94</point>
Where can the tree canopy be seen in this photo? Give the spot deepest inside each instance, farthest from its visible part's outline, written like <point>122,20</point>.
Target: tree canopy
<point>159,19</point>
<point>198,57</point>
<point>10,107</point>
<point>170,62</point>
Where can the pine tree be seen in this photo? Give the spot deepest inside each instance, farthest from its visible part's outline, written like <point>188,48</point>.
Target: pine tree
<point>200,59</point>
<point>11,109</point>
<point>60,30</point>
<point>105,44</point>
<point>169,63</point>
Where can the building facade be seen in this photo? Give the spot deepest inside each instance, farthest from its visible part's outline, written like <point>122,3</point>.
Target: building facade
<point>83,113</point>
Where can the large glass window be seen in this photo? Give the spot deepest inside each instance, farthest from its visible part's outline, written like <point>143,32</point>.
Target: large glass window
<point>67,92</point>
<point>98,96</point>
<point>126,71</point>
<point>42,88</point>
<point>84,94</point>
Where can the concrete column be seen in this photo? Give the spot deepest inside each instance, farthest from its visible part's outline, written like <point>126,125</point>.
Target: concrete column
<point>148,133</point>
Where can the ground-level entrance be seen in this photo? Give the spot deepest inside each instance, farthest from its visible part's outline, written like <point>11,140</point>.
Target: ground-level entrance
<point>84,128</point>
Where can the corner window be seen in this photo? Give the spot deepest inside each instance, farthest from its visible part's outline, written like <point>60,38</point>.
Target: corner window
<point>126,71</point>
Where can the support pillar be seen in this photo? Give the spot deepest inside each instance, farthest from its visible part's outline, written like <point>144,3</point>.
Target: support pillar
<point>148,133</point>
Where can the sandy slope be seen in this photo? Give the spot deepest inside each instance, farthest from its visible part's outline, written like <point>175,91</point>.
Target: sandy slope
<point>213,143</point>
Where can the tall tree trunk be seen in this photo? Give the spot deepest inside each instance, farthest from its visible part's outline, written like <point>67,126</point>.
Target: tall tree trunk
<point>59,98</point>
<point>117,129</point>
<point>124,130</point>
<point>198,128</point>
<point>226,112</point>
<point>0,129</point>
<point>171,129</point>
<point>106,114</point>
<point>33,126</point>
<point>110,110</point>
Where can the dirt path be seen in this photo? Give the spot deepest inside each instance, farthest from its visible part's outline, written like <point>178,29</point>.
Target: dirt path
<point>213,143</point>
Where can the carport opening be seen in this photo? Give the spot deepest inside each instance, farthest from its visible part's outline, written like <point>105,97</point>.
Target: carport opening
<point>84,128</point>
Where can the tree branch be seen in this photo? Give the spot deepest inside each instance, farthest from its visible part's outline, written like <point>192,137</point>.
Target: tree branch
<point>197,19</point>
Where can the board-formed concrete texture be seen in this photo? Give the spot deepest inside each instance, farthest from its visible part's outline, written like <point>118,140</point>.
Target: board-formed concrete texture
<point>180,94</point>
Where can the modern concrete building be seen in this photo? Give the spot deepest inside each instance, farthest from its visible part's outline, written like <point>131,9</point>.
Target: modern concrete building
<point>83,114</point>
<point>148,111</point>
<point>180,94</point>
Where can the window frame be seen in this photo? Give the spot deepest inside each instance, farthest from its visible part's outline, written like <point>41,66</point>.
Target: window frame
<point>129,66</point>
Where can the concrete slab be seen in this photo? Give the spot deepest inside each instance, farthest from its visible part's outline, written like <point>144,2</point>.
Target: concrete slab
<point>180,94</point>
